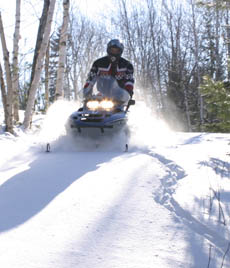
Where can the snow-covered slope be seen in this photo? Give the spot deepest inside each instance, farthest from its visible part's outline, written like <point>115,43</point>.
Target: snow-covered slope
<point>165,203</point>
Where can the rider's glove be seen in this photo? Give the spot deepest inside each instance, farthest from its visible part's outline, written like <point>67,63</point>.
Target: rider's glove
<point>87,90</point>
<point>129,89</point>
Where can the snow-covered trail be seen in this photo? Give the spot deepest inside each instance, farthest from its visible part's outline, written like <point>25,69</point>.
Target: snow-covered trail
<point>90,209</point>
<point>101,207</point>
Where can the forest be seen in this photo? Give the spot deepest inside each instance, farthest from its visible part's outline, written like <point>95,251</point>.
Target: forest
<point>180,51</point>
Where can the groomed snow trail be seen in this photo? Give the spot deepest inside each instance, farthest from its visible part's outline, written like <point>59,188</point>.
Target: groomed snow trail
<point>88,209</point>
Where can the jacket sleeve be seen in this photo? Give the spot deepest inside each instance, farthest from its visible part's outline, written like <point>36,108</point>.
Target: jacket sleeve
<point>91,78</point>
<point>129,83</point>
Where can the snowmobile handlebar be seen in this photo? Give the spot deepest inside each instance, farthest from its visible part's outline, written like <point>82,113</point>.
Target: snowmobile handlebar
<point>131,102</point>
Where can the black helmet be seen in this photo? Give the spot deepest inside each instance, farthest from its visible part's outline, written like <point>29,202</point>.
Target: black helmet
<point>115,44</point>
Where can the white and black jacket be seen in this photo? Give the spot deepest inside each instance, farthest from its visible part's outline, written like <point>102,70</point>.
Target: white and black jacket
<point>121,70</point>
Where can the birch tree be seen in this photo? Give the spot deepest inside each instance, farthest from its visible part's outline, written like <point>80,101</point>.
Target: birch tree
<point>62,49</point>
<point>3,93</point>
<point>15,68</point>
<point>9,95</point>
<point>39,66</point>
<point>47,76</point>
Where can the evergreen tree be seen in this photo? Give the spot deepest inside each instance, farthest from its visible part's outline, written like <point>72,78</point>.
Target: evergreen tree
<point>217,104</point>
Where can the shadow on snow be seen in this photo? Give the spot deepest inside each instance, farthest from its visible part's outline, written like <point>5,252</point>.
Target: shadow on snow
<point>27,193</point>
<point>165,197</point>
<point>220,167</point>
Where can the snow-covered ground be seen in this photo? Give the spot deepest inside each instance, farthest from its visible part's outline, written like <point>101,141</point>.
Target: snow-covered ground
<point>165,203</point>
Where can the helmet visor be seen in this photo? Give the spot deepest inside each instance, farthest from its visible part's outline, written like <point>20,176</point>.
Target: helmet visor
<point>114,51</point>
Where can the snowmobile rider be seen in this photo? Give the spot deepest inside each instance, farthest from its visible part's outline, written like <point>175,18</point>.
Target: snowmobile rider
<point>112,65</point>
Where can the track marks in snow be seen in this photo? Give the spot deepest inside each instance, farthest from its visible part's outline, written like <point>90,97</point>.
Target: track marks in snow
<point>120,220</point>
<point>165,196</point>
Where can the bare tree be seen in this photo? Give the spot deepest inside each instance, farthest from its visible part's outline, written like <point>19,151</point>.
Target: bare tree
<point>196,54</point>
<point>40,35</point>
<point>62,49</point>
<point>3,93</point>
<point>86,43</point>
<point>15,68</point>
<point>39,66</point>
<point>227,39</point>
<point>141,31</point>
<point>47,76</point>
<point>156,42</point>
<point>9,96</point>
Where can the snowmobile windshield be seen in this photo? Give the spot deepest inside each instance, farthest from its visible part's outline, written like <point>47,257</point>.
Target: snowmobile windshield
<point>109,87</point>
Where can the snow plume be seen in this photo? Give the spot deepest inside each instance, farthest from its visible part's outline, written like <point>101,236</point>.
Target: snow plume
<point>175,116</point>
<point>53,127</point>
<point>103,143</point>
<point>146,129</point>
<point>53,131</point>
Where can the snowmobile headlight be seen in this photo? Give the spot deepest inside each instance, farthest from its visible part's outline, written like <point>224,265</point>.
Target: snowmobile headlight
<point>107,104</point>
<point>92,105</point>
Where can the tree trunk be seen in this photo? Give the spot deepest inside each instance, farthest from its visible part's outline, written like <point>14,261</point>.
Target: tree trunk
<point>9,97</point>
<point>218,72</point>
<point>3,93</point>
<point>15,73</point>
<point>62,50</point>
<point>126,23</point>
<point>187,109</point>
<point>40,36</point>
<point>75,87</point>
<point>201,102</point>
<point>67,92</point>
<point>47,61</point>
<point>39,66</point>
<point>228,41</point>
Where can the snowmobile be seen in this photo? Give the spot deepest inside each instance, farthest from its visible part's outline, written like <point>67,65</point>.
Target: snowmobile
<point>104,111</point>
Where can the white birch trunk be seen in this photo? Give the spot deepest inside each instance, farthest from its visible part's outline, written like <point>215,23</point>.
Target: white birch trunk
<point>39,66</point>
<point>47,60</point>
<point>62,50</point>
<point>9,97</point>
<point>67,91</point>
<point>15,70</point>
<point>75,87</point>
<point>74,76</point>
<point>3,93</point>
